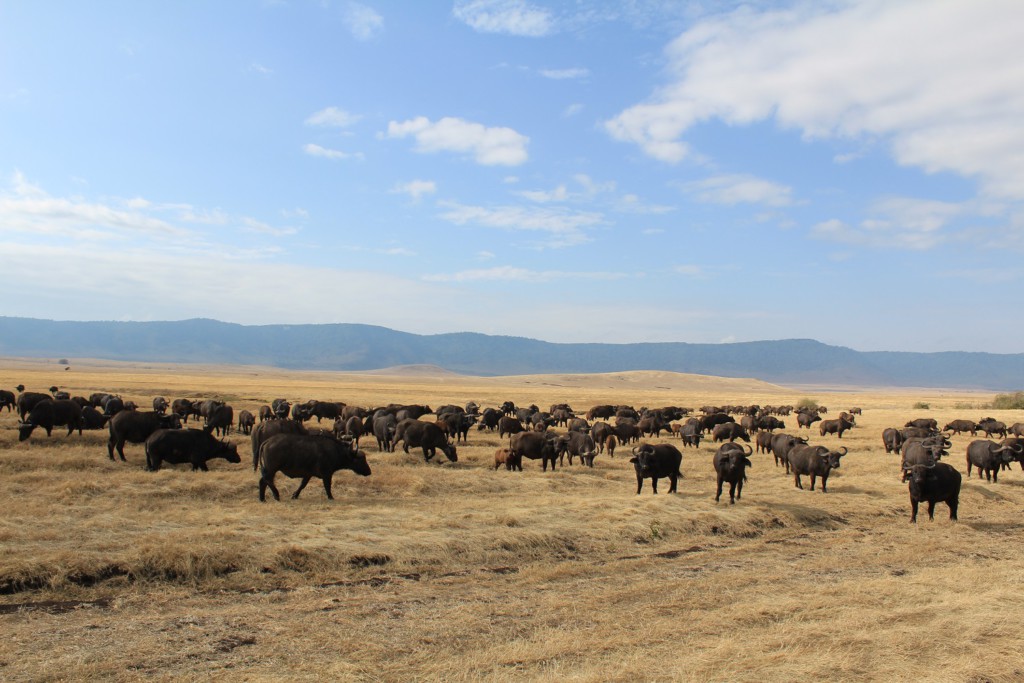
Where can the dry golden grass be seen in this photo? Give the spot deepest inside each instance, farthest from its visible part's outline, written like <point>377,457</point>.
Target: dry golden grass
<point>458,572</point>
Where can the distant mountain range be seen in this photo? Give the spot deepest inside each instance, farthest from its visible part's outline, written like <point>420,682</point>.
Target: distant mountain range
<point>366,347</point>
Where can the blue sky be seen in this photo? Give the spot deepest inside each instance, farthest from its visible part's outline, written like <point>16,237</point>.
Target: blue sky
<point>851,172</point>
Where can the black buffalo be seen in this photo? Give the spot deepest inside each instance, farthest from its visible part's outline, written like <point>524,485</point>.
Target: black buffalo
<point>49,414</point>
<point>27,400</point>
<point>246,421</point>
<point>509,425</point>
<point>989,457</point>
<point>782,444</point>
<point>7,400</point>
<point>220,419</point>
<point>814,461</point>
<point>426,435</point>
<point>160,405</point>
<point>535,446</point>
<point>384,426</point>
<point>933,484</point>
<point>654,462</point>
<point>576,444</point>
<point>837,426</point>
<point>134,426</point>
<point>265,430</point>
<point>193,446</point>
<point>730,465</point>
<point>303,456</point>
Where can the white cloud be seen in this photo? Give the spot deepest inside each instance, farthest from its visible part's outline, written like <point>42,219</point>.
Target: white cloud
<point>897,223</point>
<point>512,17</point>
<point>565,74</point>
<point>332,116</point>
<point>256,67</point>
<point>559,194</point>
<point>689,270</point>
<point>739,189</point>
<point>327,153</point>
<point>489,146</point>
<point>572,110</point>
<point>363,22</point>
<point>565,228</point>
<point>485,255</point>
<point>515,274</point>
<point>415,188</point>
<point>938,82</point>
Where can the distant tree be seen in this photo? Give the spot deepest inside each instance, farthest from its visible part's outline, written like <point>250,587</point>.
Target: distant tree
<point>63,361</point>
<point>921,405</point>
<point>807,403</point>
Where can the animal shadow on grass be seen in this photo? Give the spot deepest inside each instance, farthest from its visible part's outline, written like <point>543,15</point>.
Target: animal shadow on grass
<point>857,491</point>
<point>996,526</point>
<point>984,490</point>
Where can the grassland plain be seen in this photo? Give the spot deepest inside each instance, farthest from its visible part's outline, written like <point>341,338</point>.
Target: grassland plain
<point>458,572</point>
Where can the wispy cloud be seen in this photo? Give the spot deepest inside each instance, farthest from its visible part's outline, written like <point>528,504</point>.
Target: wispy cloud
<point>564,227</point>
<point>314,150</point>
<point>490,146</point>
<point>739,189</point>
<point>363,22</point>
<point>572,110</point>
<point>565,74</point>
<point>415,188</point>
<point>511,17</point>
<point>333,117</point>
<point>896,222</point>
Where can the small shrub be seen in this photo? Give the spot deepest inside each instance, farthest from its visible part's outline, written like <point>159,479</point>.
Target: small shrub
<point>1014,401</point>
<point>921,405</point>
<point>967,406</point>
<point>807,403</point>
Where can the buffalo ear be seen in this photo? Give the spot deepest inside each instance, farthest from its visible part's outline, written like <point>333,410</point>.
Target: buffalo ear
<point>747,461</point>
<point>632,459</point>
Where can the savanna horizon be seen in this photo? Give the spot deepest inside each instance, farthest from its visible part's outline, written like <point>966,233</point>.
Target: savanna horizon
<point>456,571</point>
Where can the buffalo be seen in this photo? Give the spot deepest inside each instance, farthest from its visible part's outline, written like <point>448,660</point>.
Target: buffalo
<point>425,435</point>
<point>960,426</point>
<point>989,457</point>
<point>384,426</point>
<point>922,451</point>
<point>134,426</point>
<point>303,456</point>
<point>814,461</point>
<point>193,446</point>
<point>576,444</point>
<point>892,439</point>
<point>807,419</point>
<point>923,423</point>
<point>730,465</point>
<point>93,419</point>
<point>246,421</point>
<point>508,458</point>
<point>654,462</point>
<point>729,431</point>
<point>27,400</point>
<point>837,426</point>
<point>220,418</point>
<point>934,483</point>
<point>7,400</point>
<point>509,425</point>
<point>160,405</point>
<point>49,414</point>
<point>535,446</point>
<point>265,430</point>
<point>992,427</point>
<point>782,444</point>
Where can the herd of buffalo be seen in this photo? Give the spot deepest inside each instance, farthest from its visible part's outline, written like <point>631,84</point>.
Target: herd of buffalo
<point>283,443</point>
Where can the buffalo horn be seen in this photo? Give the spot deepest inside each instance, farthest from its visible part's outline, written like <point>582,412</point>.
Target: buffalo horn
<point>843,449</point>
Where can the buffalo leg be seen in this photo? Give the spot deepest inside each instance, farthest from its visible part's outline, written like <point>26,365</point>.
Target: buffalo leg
<point>302,485</point>
<point>824,484</point>
<point>673,480</point>
<point>654,484</point>
<point>268,482</point>
<point>953,505</point>
<point>718,493</point>
<point>739,489</point>
<point>913,510</point>
<point>639,484</point>
<point>796,476</point>
<point>995,475</point>
<point>814,478</point>
<point>110,448</point>
<point>327,486</point>
<point>931,509</point>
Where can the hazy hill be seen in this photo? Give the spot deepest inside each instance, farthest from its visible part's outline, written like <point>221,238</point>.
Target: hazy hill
<point>366,347</point>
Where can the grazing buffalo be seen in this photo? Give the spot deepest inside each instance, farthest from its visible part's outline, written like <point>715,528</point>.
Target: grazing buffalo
<point>134,426</point>
<point>352,428</point>
<point>815,461</point>
<point>93,419</point>
<point>892,439</point>
<point>626,432</point>
<point>324,409</point>
<point>769,423</point>
<point>267,413</point>
<point>160,405</point>
<point>729,431</point>
<point>578,424</point>
<point>600,431</point>
<point>782,444</point>
<point>304,456</point>
<point>923,423</point>
<point>934,483</point>
<point>535,446</point>
<point>652,426</point>
<point>27,400</point>
<point>193,446</point>
<point>837,426</point>
<point>7,400</point>
<point>112,405</point>
<point>220,419</point>
<point>246,421</point>
<point>763,442</point>
<point>509,425</point>
<point>425,435</point>
<point>508,458</point>
<point>603,412</point>
<point>384,426</point>
<point>610,444</point>
<point>576,444</point>
<point>49,414</point>
<point>708,422</point>
<point>960,426</point>
<point>655,462</point>
<point>730,465</point>
<point>265,430</point>
<point>457,425</point>
<point>989,457</point>
<point>507,408</point>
